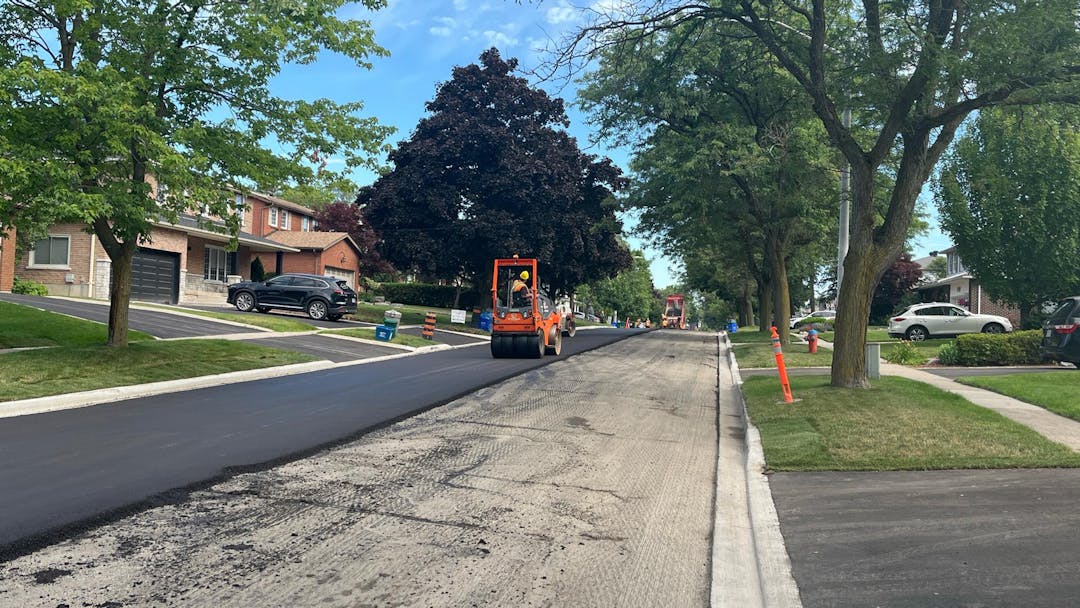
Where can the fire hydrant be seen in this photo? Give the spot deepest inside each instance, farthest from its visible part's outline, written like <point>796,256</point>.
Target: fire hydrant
<point>811,339</point>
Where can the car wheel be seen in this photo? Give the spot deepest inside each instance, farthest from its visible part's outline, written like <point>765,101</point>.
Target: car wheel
<point>917,333</point>
<point>993,328</point>
<point>316,309</point>
<point>245,301</point>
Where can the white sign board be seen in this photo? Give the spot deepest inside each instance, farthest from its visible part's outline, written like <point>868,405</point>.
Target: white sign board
<point>457,316</point>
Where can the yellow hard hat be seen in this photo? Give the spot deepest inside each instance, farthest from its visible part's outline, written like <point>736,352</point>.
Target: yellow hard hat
<point>524,275</point>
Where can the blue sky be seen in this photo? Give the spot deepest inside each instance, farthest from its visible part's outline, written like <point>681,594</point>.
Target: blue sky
<point>426,40</point>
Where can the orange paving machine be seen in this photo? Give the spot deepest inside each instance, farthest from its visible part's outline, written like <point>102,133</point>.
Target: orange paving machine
<point>525,322</point>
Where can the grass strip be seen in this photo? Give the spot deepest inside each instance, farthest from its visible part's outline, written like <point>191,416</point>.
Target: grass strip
<point>273,323</point>
<point>1058,392</point>
<point>23,326</point>
<point>368,333</point>
<point>56,371</point>
<point>796,354</point>
<point>899,424</point>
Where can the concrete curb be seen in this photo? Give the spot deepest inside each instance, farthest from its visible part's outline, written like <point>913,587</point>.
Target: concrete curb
<point>775,584</point>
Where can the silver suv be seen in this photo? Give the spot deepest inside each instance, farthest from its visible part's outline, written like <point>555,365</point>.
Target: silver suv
<point>939,319</point>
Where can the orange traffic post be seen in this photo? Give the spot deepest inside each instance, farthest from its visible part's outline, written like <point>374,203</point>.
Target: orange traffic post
<point>429,327</point>
<point>784,384</point>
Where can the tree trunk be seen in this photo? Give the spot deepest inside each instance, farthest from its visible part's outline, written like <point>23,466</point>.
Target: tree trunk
<point>781,300</point>
<point>765,306</point>
<point>120,296</point>
<point>746,306</point>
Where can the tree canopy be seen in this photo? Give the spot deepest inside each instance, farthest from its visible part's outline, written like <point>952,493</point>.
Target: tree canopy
<point>103,99</point>
<point>491,172</point>
<point>1009,196</point>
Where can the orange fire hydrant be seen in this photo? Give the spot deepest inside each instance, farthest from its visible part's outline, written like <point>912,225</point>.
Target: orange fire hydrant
<point>811,339</point>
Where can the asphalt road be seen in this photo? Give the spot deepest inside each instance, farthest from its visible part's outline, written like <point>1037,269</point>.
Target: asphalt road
<point>66,467</point>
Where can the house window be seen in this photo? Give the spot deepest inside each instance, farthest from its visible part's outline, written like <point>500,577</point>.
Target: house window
<point>285,217</point>
<point>273,216</point>
<point>51,252</point>
<point>215,264</point>
<point>305,224</point>
<point>238,205</point>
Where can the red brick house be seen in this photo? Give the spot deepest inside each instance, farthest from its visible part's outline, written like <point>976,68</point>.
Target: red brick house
<point>187,262</point>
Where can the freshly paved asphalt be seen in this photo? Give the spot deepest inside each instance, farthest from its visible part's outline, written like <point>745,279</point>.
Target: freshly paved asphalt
<point>70,466</point>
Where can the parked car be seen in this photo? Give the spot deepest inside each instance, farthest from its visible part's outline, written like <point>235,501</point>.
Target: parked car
<point>321,297</point>
<point>1061,333</point>
<point>825,314</point>
<point>579,315</point>
<point>939,319</point>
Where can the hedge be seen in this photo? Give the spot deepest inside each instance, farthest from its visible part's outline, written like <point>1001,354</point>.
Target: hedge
<point>1016,348</point>
<point>424,294</point>
<point>28,287</point>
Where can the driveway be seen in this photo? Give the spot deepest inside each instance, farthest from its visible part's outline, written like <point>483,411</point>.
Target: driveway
<point>160,324</point>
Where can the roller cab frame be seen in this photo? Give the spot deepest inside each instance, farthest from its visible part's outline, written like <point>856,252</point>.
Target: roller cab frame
<point>523,328</point>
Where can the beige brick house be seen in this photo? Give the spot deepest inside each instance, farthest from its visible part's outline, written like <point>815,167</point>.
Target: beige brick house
<point>187,262</point>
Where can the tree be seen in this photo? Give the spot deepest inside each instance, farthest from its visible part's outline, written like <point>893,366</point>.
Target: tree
<point>909,72</point>
<point>349,217</point>
<point>630,293</point>
<point>104,100</point>
<point>490,173</point>
<point>1009,197</point>
<point>897,281</point>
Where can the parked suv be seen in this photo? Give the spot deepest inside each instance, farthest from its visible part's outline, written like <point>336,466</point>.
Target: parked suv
<point>938,319</point>
<point>1061,333</point>
<point>320,297</point>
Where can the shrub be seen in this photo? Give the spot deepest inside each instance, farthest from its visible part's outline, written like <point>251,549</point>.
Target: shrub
<point>948,354</point>
<point>904,353</point>
<point>424,294</point>
<point>1016,348</point>
<point>819,323</point>
<point>258,273</point>
<point>28,287</point>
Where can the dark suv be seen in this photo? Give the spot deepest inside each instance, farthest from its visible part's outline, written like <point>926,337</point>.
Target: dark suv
<point>1061,333</point>
<point>320,297</point>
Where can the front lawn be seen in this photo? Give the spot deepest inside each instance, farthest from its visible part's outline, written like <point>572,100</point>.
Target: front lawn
<point>898,424</point>
<point>1058,392</point>
<point>23,326</point>
<point>267,321</point>
<point>56,371</point>
<point>368,333</point>
<point>796,354</point>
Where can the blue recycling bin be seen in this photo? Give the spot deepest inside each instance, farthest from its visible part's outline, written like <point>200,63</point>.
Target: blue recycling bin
<point>485,321</point>
<point>732,326</point>
<point>384,333</point>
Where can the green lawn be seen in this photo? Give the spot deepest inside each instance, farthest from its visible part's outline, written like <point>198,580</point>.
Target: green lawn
<point>796,354</point>
<point>23,326</point>
<point>271,322</point>
<point>1058,392</point>
<point>896,425</point>
<point>55,371</point>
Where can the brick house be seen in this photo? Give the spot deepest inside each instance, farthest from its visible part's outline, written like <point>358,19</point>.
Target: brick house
<point>187,262</point>
<point>281,221</point>
<point>960,288</point>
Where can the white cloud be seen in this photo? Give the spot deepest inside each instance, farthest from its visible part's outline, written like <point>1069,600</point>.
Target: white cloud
<point>499,39</point>
<point>460,5</point>
<point>562,12</point>
<point>446,26</point>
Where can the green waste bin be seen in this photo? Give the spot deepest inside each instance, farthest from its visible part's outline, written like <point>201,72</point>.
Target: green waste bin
<point>391,318</point>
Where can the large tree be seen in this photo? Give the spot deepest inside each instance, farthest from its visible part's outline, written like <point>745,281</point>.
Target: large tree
<point>1009,196</point>
<point>491,172</point>
<point>348,217</point>
<point>909,71</point>
<point>102,99</point>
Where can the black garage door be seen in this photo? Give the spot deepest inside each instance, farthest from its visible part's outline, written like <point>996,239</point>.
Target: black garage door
<point>155,276</point>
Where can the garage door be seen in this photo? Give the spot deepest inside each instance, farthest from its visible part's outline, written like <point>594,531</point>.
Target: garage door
<point>155,276</point>
<point>341,273</point>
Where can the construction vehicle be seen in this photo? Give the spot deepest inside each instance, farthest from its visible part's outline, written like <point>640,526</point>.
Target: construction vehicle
<point>674,312</point>
<point>525,322</point>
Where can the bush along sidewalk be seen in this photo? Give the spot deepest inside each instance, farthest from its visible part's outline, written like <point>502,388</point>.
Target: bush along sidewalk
<point>970,350</point>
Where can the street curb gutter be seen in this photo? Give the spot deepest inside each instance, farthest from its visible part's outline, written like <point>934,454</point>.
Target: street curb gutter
<point>773,585</point>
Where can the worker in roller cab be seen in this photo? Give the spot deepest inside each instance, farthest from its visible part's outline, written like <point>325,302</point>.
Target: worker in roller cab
<point>519,290</point>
